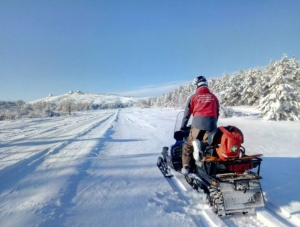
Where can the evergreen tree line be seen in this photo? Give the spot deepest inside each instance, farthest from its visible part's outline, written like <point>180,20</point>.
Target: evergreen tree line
<point>274,90</point>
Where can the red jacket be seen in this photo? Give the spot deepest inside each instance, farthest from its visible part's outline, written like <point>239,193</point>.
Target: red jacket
<point>204,107</point>
<point>204,103</point>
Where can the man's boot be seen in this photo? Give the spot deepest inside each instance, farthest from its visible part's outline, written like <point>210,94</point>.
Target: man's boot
<point>185,169</point>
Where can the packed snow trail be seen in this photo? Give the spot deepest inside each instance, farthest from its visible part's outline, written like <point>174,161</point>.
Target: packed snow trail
<point>123,181</point>
<point>91,169</point>
<point>39,178</point>
<point>25,138</point>
<point>98,168</point>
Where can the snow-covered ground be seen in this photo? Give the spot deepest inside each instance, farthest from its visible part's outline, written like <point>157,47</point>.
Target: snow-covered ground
<point>98,168</point>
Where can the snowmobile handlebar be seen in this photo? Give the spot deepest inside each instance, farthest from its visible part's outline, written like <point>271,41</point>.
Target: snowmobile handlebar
<point>182,135</point>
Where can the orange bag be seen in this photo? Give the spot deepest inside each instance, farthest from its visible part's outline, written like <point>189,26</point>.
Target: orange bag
<point>230,144</point>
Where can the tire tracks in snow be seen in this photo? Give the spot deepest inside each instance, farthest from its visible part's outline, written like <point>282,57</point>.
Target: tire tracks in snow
<point>43,141</point>
<point>51,129</point>
<point>19,175</point>
<point>276,216</point>
<point>27,165</point>
<point>201,217</point>
<point>54,211</point>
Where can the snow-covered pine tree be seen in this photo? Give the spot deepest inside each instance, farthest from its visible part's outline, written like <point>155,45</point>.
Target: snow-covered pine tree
<point>153,101</point>
<point>180,100</point>
<point>179,93</point>
<point>167,100</point>
<point>174,98</point>
<point>223,86</point>
<point>281,102</point>
<point>157,101</point>
<point>187,92</point>
<point>191,89</point>
<point>261,85</point>
<point>232,94</point>
<point>213,84</point>
<point>249,96</point>
<point>262,79</point>
<point>296,71</point>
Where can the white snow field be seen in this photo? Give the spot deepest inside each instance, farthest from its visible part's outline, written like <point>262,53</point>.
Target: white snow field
<point>98,168</point>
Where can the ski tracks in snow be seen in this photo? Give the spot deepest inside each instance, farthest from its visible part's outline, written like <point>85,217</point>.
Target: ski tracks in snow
<point>38,189</point>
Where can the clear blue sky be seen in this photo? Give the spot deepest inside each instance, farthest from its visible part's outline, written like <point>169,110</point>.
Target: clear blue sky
<point>136,47</point>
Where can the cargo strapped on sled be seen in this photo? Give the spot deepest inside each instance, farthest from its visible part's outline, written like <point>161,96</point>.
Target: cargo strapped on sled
<point>230,144</point>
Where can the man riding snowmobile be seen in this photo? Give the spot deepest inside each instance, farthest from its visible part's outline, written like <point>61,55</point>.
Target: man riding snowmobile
<point>220,167</point>
<point>204,107</point>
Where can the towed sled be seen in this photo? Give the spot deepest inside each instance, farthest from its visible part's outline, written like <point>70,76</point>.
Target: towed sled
<point>231,186</point>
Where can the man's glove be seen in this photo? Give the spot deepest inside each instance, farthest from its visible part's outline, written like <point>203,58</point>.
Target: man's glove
<point>183,129</point>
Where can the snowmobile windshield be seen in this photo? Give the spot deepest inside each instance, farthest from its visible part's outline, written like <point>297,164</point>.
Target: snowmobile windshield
<point>179,121</point>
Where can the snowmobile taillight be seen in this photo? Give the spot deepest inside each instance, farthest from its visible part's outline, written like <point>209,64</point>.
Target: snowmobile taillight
<point>214,183</point>
<point>240,168</point>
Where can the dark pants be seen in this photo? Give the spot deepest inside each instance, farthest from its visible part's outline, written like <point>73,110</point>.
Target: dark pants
<point>188,148</point>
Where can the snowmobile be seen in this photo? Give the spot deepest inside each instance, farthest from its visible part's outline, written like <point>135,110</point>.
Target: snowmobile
<point>231,186</point>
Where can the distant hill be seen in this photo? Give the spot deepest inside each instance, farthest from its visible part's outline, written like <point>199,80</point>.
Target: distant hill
<point>63,104</point>
<point>91,99</point>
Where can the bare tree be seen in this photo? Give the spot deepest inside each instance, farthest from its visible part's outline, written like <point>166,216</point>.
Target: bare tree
<point>67,105</point>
